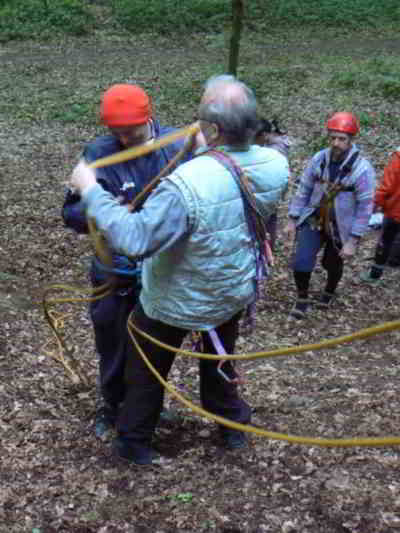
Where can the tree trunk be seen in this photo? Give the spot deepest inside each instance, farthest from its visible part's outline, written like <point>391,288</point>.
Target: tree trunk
<point>237,23</point>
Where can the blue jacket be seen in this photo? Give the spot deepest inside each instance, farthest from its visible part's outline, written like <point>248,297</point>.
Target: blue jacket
<point>124,180</point>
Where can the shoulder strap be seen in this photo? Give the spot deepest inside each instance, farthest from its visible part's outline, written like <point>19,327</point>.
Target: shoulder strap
<point>254,217</point>
<point>348,167</point>
<point>322,167</point>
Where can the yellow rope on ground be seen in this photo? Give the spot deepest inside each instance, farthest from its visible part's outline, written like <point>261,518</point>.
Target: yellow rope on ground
<point>63,354</point>
<point>291,350</point>
<point>295,439</point>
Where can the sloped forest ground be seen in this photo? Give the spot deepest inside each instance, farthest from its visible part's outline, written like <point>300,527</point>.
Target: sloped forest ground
<point>55,476</point>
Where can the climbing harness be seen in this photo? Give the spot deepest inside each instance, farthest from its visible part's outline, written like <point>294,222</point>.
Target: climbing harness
<point>332,189</point>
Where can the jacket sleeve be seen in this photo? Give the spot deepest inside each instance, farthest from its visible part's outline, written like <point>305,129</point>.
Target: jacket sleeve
<point>74,210</point>
<point>73,213</point>
<point>305,188</point>
<point>162,221</point>
<point>364,191</point>
<point>388,183</point>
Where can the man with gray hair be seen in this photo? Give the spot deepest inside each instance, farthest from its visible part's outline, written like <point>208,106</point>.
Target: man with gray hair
<point>199,235</point>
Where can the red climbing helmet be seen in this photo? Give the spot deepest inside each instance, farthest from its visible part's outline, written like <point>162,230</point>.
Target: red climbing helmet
<point>344,122</point>
<point>125,104</point>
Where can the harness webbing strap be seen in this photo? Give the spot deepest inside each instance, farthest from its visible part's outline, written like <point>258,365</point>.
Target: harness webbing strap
<point>253,214</point>
<point>254,219</point>
<point>334,188</point>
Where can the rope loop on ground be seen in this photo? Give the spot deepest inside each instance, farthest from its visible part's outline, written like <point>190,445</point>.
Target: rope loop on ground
<point>294,439</point>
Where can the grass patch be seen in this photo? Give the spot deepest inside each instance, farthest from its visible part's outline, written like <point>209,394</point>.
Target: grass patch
<point>169,16</point>
<point>22,19</point>
<point>43,19</point>
<point>376,76</point>
<point>326,13</point>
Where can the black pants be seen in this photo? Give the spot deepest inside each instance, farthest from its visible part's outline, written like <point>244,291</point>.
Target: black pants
<point>144,394</point>
<point>109,316</point>
<point>390,230</point>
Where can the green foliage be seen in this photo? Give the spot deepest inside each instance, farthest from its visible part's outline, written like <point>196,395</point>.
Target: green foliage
<point>377,76</point>
<point>171,16</point>
<point>24,19</point>
<point>184,497</point>
<point>21,19</point>
<point>325,13</point>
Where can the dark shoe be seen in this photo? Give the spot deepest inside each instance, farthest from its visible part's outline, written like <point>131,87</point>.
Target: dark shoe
<point>371,277</point>
<point>300,308</point>
<point>169,416</point>
<point>137,454</point>
<point>233,439</point>
<point>106,418</point>
<point>325,299</point>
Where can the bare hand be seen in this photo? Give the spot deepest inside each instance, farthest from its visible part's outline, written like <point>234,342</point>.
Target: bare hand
<point>349,249</point>
<point>193,142</point>
<point>83,177</point>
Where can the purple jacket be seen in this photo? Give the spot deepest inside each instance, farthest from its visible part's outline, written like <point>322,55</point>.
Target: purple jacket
<point>353,206</point>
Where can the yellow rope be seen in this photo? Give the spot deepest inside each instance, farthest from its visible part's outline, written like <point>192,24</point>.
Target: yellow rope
<point>143,149</point>
<point>295,439</point>
<point>291,350</point>
<point>63,354</point>
<point>56,324</point>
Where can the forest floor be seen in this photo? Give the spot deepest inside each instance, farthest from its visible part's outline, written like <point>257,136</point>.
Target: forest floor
<point>55,475</point>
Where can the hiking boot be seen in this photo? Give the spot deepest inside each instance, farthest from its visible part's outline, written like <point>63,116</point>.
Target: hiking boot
<point>371,277</point>
<point>106,418</point>
<point>169,416</point>
<point>300,308</point>
<point>233,439</point>
<point>324,300</point>
<point>138,454</point>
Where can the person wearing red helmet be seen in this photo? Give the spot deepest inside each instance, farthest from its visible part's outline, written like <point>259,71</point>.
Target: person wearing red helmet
<point>330,210</point>
<point>126,111</point>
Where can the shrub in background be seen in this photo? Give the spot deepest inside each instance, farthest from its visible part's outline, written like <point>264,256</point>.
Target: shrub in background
<point>172,16</point>
<point>24,19</point>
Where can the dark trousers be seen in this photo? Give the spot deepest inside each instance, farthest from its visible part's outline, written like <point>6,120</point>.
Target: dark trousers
<point>144,394</point>
<point>109,316</point>
<point>272,228</point>
<point>390,230</point>
<point>309,242</point>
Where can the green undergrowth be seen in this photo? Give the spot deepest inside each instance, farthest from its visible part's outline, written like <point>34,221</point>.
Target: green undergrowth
<point>43,19</point>
<point>378,76</point>
<point>23,19</point>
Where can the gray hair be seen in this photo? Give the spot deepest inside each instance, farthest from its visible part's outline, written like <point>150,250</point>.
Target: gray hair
<point>231,105</point>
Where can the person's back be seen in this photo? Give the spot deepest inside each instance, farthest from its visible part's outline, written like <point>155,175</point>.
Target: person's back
<point>218,255</point>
